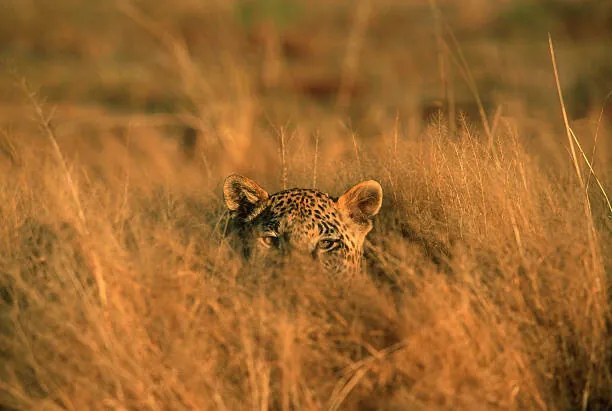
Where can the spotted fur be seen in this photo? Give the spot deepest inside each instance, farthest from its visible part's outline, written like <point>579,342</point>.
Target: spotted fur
<point>302,222</point>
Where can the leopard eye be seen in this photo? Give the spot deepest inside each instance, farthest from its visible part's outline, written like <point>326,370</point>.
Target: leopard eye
<point>269,240</point>
<point>328,244</point>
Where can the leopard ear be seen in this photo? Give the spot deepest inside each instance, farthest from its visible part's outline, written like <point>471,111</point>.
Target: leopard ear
<point>362,201</point>
<point>243,196</point>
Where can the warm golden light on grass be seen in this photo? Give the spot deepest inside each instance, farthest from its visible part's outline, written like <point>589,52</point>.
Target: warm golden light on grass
<point>487,275</point>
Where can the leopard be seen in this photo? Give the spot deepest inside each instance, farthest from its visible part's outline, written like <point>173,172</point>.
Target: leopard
<point>302,224</point>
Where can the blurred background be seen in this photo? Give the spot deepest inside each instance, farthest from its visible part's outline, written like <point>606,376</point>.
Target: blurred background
<point>215,73</point>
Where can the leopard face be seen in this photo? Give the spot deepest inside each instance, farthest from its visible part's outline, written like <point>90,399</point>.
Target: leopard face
<point>302,225</point>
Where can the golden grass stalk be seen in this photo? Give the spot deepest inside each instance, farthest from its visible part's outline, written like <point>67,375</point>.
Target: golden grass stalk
<point>351,57</point>
<point>355,372</point>
<point>282,149</point>
<point>460,61</point>
<point>446,85</point>
<point>564,112</point>
<point>571,136</point>
<point>208,103</point>
<point>44,120</point>
<point>315,159</point>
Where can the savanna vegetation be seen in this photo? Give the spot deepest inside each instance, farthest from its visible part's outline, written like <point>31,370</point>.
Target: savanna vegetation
<point>487,276</point>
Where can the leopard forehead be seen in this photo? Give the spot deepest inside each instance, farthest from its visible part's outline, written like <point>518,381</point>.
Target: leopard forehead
<point>302,200</point>
<point>307,209</point>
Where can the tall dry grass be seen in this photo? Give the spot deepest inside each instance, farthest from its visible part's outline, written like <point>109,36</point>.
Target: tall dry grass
<point>487,280</point>
<point>485,289</point>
